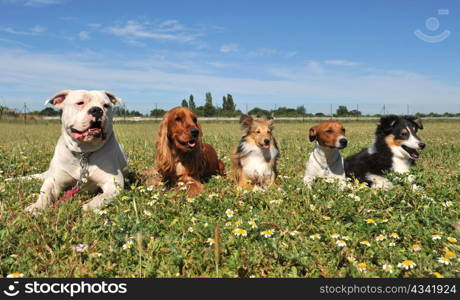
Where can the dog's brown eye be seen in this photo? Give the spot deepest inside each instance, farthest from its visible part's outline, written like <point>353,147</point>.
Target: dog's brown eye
<point>404,133</point>
<point>178,119</point>
<point>194,120</point>
<point>106,105</point>
<point>80,103</point>
<point>258,131</point>
<point>343,130</point>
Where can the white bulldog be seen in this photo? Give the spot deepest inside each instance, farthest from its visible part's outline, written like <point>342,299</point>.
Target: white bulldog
<point>87,152</point>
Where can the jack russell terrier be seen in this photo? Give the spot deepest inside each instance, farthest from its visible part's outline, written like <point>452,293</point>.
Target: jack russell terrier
<point>325,159</point>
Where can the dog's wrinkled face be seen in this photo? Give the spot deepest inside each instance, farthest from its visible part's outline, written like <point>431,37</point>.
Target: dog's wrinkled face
<point>86,115</point>
<point>183,129</point>
<point>258,131</point>
<point>401,132</point>
<point>329,134</point>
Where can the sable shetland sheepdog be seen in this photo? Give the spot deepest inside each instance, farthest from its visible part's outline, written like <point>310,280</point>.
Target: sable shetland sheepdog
<point>394,149</point>
<point>254,160</point>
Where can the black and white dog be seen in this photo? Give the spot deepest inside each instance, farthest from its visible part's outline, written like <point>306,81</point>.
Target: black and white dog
<point>394,149</point>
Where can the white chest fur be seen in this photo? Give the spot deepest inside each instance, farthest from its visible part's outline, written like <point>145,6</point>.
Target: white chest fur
<point>400,163</point>
<point>257,162</point>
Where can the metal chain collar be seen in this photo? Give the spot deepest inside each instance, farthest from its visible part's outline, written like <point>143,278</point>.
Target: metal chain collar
<point>84,160</point>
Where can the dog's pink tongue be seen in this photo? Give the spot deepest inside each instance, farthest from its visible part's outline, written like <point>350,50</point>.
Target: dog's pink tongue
<point>77,136</point>
<point>191,144</point>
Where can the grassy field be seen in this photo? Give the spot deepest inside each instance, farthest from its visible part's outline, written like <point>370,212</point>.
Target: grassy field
<point>287,231</point>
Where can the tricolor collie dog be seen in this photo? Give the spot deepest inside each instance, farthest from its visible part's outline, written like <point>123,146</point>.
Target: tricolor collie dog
<point>254,161</point>
<point>394,149</point>
<point>325,159</point>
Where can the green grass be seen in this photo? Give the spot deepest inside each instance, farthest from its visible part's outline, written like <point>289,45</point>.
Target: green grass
<point>169,238</point>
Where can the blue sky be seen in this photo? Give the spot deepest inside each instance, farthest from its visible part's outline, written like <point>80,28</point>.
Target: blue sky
<point>265,53</point>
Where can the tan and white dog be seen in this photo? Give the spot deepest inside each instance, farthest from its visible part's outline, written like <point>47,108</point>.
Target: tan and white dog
<point>87,142</point>
<point>254,160</point>
<point>325,160</point>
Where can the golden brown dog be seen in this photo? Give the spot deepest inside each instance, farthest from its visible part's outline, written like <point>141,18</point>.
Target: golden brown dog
<point>181,156</point>
<point>254,160</point>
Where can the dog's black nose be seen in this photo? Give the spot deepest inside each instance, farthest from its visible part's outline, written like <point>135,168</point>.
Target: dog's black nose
<point>421,145</point>
<point>194,132</point>
<point>96,112</point>
<point>267,141</point>
<point>343,142</point>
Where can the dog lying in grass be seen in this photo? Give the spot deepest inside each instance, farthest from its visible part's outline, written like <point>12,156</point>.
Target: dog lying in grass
<point>254,160</point>
<point>394,149</point>
<point>325,159</point>
<point>181,155</point>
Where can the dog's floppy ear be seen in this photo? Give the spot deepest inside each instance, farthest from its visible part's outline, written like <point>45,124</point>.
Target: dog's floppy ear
<point>163,160</point>
<point>58,99</point>
<point>416,120</point>
<point>312,133</point>
<point>387,123</point>
<point>246,122</point>
<point>114,99</point>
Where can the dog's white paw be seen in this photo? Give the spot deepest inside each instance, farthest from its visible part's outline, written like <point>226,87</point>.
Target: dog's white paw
<point>34,207</point>
<point>383,184</point>
<point>258,188</point>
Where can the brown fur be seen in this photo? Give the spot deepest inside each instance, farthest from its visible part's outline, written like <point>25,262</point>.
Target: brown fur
<point>392,141</point>
<point>175,162</point>
<point>255,132</point>
<point>326,133</point>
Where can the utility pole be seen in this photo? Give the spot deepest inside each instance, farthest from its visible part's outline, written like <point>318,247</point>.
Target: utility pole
<point>331,111</point>
<point>246,108</point>
<point>25,113</point>
<point>407,109</point>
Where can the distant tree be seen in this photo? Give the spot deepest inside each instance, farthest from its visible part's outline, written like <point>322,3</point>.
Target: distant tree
<point>355,112</point>
<point>228,104</point>
<point>208,109</point>
<point>191,103</point>
<point>121,111</point>
<point>184,103</point>
<point>319,114</point>
<point>301,110</point>
<point>342,110</point>
<point>224,102</point>
<point>157,112</point>
<point>49,111</point>
<point>256,111</point>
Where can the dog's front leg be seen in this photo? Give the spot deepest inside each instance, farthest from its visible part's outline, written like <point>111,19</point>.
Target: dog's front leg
<point>380,182</point>
<point>194,187</point>
<point>109,191</point>
<point>50,191</point>
<point>308,180</point>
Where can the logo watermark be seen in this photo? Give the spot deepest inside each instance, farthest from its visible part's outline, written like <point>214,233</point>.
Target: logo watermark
<point>66,288</point>
<point>432,24</point>
<point>11,290</point>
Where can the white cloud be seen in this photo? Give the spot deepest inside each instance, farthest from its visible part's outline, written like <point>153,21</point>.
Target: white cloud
<point>134,30</point>
<point>34,3</point>
<point>227,48</point>
<point>341,62</point>
<point>94,25</point>
<point>84,35</point>
<point>270,52</point>
<point>29,74</point>
<point>36,30</point>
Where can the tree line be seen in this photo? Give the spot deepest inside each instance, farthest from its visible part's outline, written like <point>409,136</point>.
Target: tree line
<point>226,109</point>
